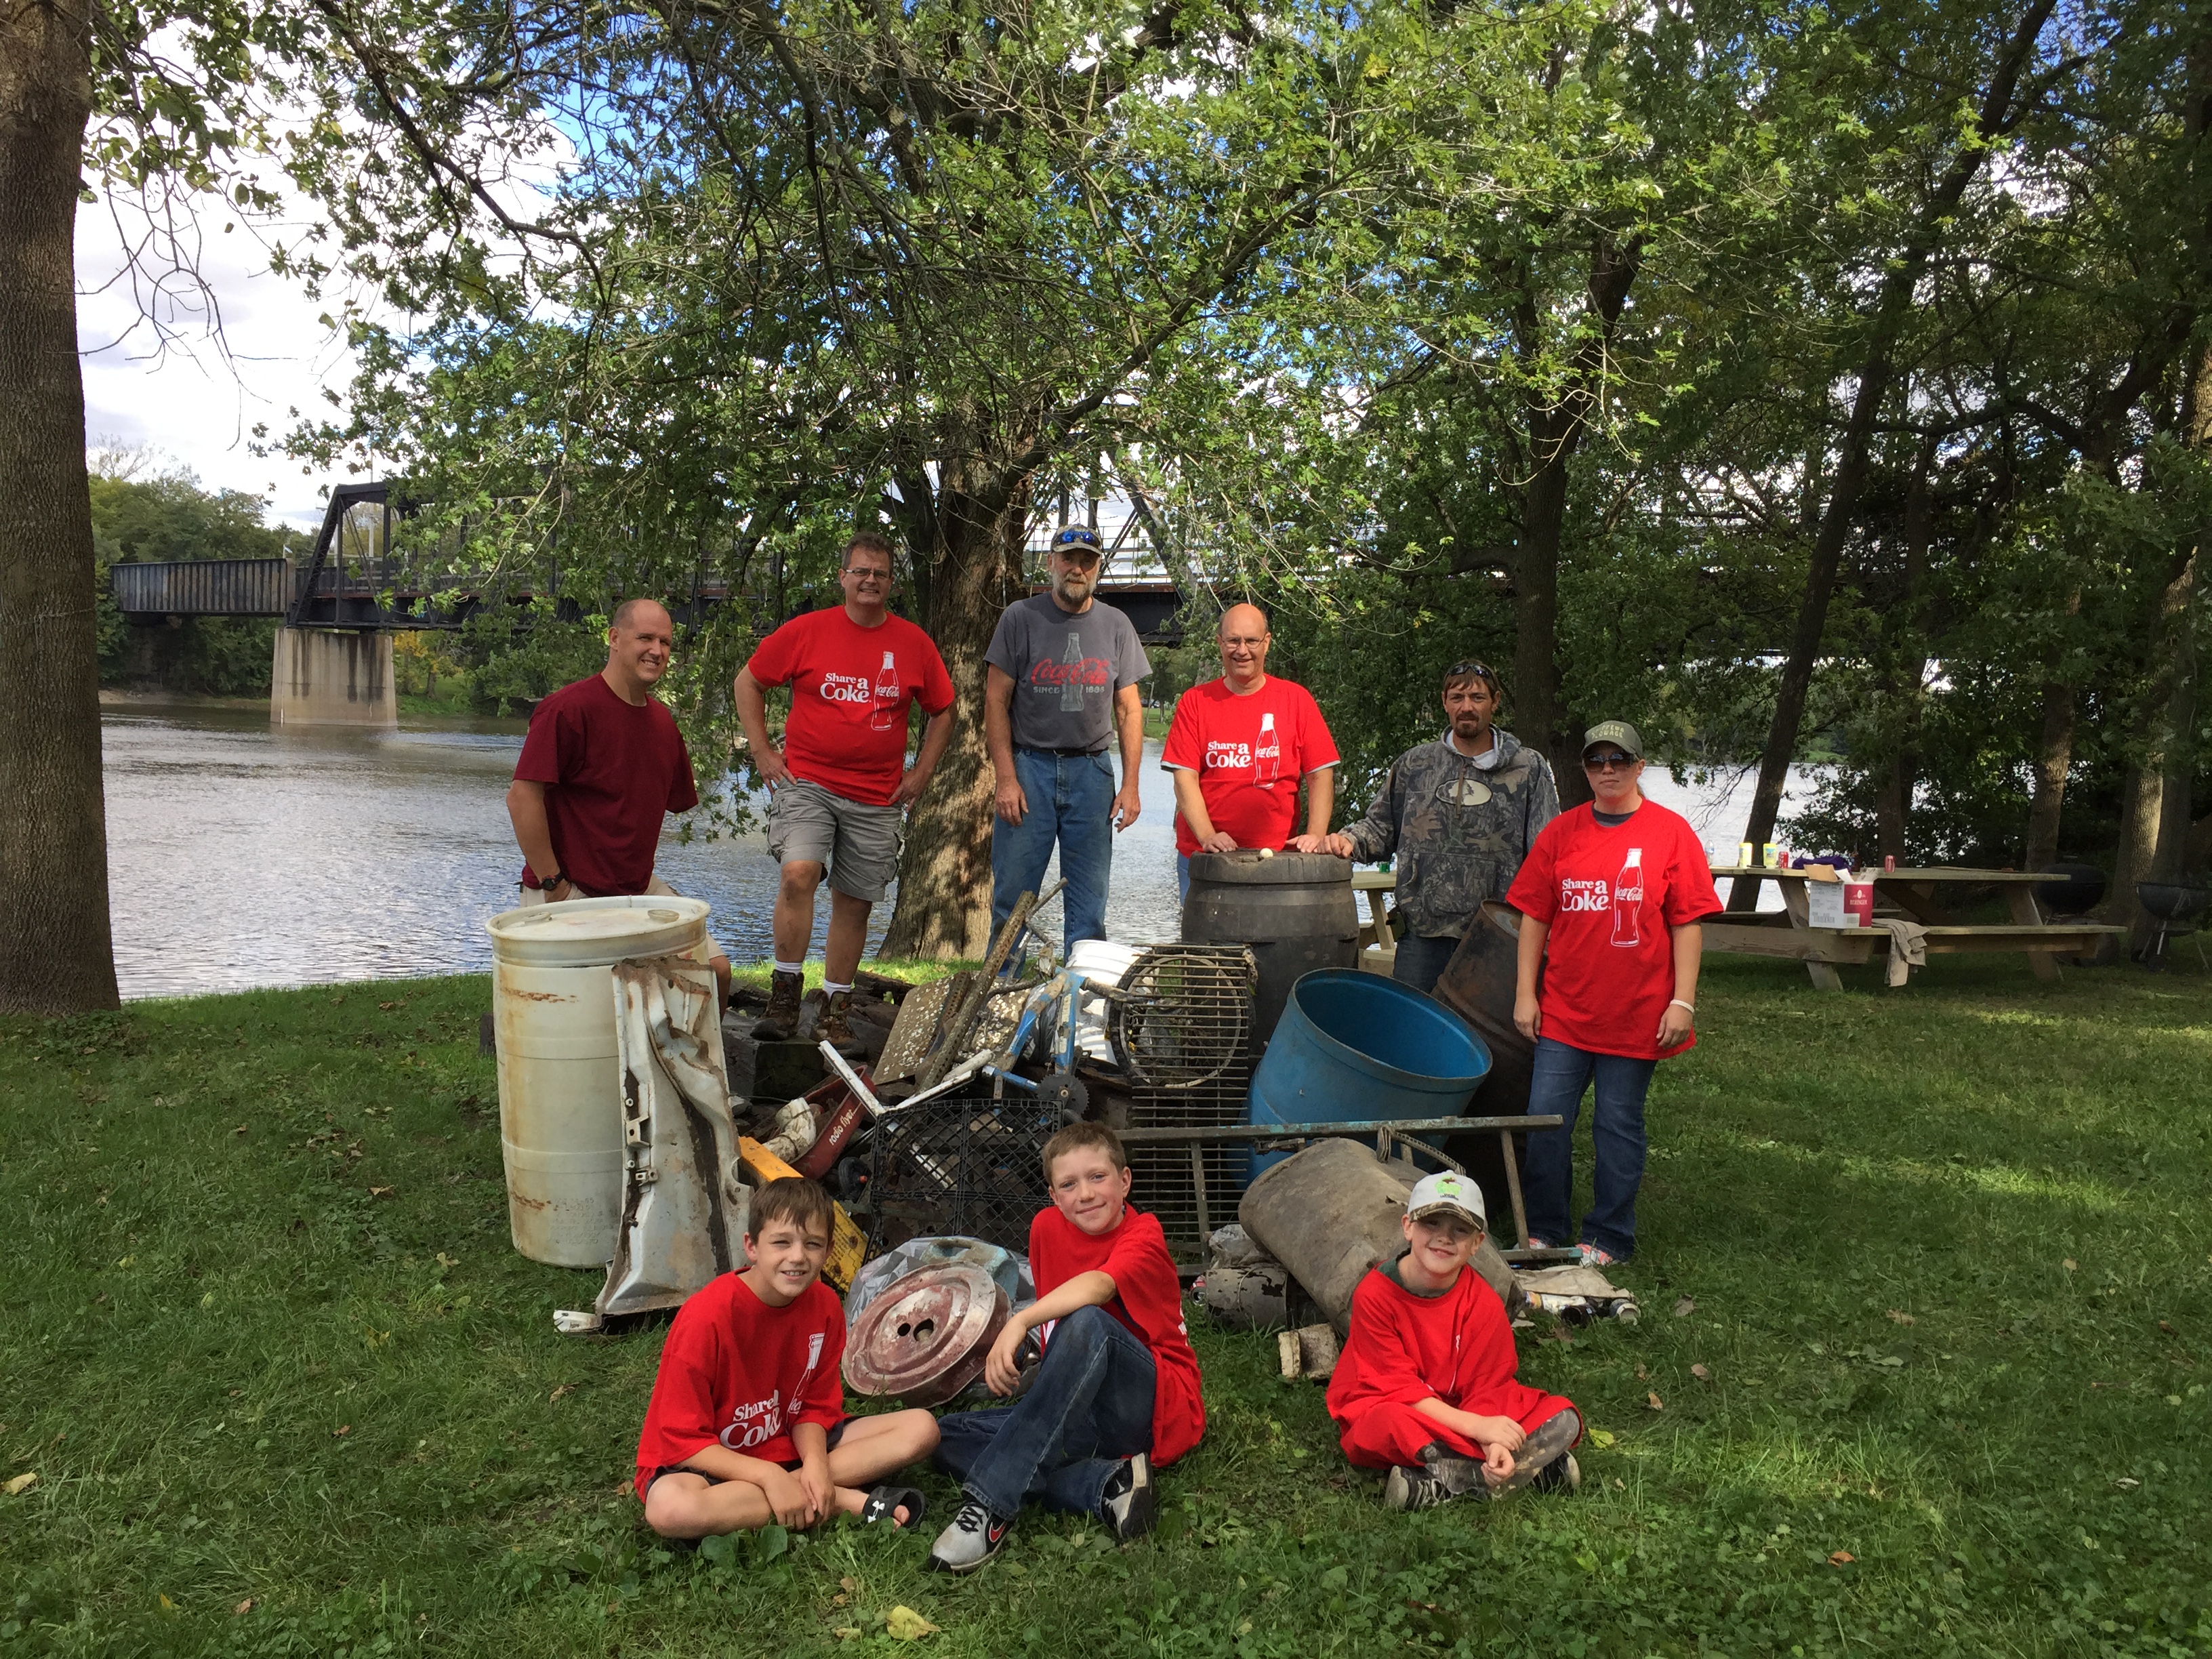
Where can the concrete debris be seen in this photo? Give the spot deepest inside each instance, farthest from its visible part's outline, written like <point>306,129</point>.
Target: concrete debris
<point>1308,1353</point>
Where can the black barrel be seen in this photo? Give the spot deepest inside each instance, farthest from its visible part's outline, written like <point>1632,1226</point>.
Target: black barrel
<point>1478,985</point>
<point>2077,895</point>
<point>1294,909</point>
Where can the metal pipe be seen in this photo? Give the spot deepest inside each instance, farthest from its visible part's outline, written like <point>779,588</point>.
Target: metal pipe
<point>1314,1131</point>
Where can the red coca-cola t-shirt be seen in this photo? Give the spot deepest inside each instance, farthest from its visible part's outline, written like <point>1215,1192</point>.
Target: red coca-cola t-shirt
<point>850,687</point>
<point>1250,792</point>
<point>611,768</point>
<point>1147,1299</point>
<point>1609,964</point>
<point>736,1372</point>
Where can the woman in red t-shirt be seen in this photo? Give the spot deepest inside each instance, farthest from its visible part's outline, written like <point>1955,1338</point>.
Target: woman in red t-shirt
<point>1612,897</point>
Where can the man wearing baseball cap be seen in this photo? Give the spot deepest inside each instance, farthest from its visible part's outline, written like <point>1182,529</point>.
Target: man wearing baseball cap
<point>1613,898</point>
<point>1425,1387</point>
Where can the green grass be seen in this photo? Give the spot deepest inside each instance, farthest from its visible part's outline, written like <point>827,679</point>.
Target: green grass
<point>243,1371</point>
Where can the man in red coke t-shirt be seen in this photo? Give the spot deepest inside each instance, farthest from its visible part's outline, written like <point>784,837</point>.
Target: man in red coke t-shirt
<point>1612,895</point>
<point>1238,747</point>
<point>839,786</point>
<point>601,764</point>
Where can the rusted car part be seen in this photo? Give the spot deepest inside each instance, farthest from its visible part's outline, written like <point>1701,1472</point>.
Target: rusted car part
<point>1333,1211</point>
<point>926,1337</point>
<point>678,1228</point>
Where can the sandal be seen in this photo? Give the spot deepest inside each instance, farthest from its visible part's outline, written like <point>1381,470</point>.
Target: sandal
<point>884,1503</point>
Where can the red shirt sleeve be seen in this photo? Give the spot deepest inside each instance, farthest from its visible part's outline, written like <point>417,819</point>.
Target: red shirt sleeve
<point>1383,1368</point>
<point>1534,893</point>
<point>1185,747</point>
<point>775,660</point>
<point>1145,1279</point>
<point>682,786</point>
<point>935,695</point>
<point>553,738</point>
<point>1316,748</point>
<point>1691,894</point>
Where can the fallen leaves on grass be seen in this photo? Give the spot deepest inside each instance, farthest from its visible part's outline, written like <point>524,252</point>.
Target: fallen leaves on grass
<point>1842,1559</point>
<point>380,1192</point>
<point>1652,1402</point>
<point>2127,1483</point>
<point>907,1625</point>
<point>240,1130</point>
<point>342,1431</point>
<point>242,1608</point>
<point>565,1389</point>
<point>1683,1306</point>
<point>2069,1264</point>
<point>1701,1373</point>
<point>1897,1316</point>
<point>1600,1438</point>
<point>845,1632</point>
<point>2166,1325</point>
<point>21,1483</point>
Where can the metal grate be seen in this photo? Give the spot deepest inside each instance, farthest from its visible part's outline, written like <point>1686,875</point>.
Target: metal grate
<point>1185,1039</point>
<point>970,1166</point>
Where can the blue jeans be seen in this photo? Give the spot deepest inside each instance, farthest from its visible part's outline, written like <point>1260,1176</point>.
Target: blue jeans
<point>1183,878</point>
<point>1556,1084</point>
<point>1072,802</point>
<point>1420,962</point>
<point>1090,1407</point>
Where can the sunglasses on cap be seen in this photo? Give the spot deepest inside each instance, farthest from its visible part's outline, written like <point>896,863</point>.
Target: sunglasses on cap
<point>1075,536</point>
<point>1467,666</point>
<point>1611,762</point>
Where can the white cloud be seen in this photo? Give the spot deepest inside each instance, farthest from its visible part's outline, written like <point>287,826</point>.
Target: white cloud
<point>155,372</point>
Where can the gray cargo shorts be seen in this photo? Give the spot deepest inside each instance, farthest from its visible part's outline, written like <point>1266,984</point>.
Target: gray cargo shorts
<point>857,842</point>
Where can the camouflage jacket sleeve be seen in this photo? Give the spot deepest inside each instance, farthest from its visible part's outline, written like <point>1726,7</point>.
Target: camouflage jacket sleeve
<point>1376,835</point>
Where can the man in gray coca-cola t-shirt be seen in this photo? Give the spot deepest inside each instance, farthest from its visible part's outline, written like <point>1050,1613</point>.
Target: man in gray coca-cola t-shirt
<point>1060,685</point>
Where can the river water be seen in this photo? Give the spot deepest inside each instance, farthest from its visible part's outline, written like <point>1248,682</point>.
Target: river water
<point>243,855</point>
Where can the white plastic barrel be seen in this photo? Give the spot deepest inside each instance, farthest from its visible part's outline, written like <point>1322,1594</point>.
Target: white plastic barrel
<point>560,1099</point>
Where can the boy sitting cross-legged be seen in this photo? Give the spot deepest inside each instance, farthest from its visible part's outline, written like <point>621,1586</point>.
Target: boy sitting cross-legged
<point>1425,1385</point>
<point>1117,1391</point>
<point>747,1424</point>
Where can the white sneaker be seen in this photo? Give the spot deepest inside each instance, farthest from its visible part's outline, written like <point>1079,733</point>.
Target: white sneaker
<point>975,1536</point>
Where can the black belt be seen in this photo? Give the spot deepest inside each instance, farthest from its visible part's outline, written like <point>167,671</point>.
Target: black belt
<point>1061,754</point>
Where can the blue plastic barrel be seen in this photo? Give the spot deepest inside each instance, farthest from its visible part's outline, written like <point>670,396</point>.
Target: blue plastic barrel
<point>1353,1046</point>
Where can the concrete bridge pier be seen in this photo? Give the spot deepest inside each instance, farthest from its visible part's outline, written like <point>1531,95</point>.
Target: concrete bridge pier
<point>326,677</point>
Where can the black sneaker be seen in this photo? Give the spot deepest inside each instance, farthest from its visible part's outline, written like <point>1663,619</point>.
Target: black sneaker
<point>1562,1474</point>
<point>975,1536</point>
<point>1132,1502</point>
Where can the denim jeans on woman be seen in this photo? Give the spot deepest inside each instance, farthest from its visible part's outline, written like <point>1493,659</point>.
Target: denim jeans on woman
<point>1072,802</point>
<point>1090,1407</point>
<point>1556,1084</point>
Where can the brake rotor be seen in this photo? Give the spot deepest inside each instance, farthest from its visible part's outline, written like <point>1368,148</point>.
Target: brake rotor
<point>925,1337</point>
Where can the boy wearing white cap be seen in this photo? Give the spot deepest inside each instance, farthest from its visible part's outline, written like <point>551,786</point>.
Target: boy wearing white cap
<point>1425,1387</point>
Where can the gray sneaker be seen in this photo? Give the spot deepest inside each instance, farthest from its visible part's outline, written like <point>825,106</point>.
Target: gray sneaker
<point>1133,1503</point>
<point>1543,1451</point>
<point>1440,1478</point>
<point>975,1536</point>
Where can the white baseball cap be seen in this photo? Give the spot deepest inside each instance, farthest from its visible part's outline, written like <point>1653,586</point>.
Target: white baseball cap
<point>1446,1193</point>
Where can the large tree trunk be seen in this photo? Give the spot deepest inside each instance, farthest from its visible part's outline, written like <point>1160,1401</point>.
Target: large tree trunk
<point>56,954</point>
<point>1556,430</point>
<point>2171,854</point>
<point>2054,760</point>
<point>1905,650</point>
<point>2163,748</point>
<point>1891,308</point>
<point>975,543</point>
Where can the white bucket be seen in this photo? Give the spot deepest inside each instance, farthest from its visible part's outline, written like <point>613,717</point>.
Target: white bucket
<point>560,1100</point>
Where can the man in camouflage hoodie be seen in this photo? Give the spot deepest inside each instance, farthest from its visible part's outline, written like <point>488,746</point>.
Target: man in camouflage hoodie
<point>1458,814</point>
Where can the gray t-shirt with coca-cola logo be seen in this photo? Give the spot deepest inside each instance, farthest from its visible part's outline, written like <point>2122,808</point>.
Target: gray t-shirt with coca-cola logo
<point>1066,671</point>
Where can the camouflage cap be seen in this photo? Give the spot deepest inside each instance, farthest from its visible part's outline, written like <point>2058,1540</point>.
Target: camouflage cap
<point>1445,1194</point>
<point>1619,732</point>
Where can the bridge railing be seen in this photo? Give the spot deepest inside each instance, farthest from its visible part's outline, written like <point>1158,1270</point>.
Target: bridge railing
<point>205,587</point>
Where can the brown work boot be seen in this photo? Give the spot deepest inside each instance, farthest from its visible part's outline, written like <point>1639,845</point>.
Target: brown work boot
<point>837,1027</point>
<point>781,1019</point>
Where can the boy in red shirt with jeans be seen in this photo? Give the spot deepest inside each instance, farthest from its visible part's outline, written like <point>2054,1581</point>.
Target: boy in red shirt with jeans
<point>1426,1386</point>
<point>1117,1391</point>
<point>747,1423</point>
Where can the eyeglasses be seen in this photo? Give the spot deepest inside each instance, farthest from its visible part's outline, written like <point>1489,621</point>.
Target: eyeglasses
<point>1075,536</point>
<point>867,573</point>
<point>1613,763</point>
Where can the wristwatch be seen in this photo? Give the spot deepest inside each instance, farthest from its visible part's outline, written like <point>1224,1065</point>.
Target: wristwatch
<point>547,883</point>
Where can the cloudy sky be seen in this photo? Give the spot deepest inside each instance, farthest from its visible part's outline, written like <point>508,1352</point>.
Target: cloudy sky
<point>181,389</point>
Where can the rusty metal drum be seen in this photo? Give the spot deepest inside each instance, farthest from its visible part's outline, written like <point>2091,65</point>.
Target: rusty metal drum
<point>925,1337</point>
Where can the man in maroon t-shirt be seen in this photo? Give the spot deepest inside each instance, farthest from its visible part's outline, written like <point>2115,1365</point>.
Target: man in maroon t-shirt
<point>602,762</point>
<point>839,786</point>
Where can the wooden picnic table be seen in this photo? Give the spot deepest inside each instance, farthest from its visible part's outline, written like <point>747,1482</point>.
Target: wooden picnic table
<point>1926,897</point>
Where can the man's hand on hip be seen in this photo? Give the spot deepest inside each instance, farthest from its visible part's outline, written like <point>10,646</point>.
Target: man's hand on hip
<point>1126,806</point>
<point>768,762</point>
<point>1010,801</point>
<point>910,785</point>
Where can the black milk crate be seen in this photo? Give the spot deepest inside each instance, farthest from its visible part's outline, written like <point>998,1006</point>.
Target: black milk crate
<point>970,1165</point>
<point>1164,1179</point>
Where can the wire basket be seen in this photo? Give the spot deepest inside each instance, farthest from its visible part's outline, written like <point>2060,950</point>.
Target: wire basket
<point>971,1166</point>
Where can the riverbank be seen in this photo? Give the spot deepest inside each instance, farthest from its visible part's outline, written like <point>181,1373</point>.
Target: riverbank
<point>1922,1369</point>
